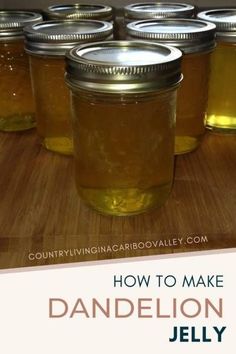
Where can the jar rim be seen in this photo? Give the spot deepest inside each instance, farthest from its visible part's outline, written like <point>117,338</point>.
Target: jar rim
<point>57,36</point>
<point>189,35</point>
<point>225,21</point>
<point>12,22</point>
<point>149,10</point>
<point>80,11</point>
<point>116,66</point>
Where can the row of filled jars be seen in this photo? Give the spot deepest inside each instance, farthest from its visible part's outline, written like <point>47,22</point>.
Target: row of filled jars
<point>127,121</point>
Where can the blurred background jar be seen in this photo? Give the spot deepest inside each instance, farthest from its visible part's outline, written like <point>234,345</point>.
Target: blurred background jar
<point>221,110</point>
<point>46,44</point>
<point>81,12</point>
<point>123,103</point>
<point>16,101</point>
<point>196,39</point>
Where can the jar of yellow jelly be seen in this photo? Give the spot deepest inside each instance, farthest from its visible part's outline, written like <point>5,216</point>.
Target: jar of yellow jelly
<point>221,110</point>
<point>46,44</point>
<point>196,39</point>
<point>123,103</point>
<point>157,10</point>
<point>16,101</point>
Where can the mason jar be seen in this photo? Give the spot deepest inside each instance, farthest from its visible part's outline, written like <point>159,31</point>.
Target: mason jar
<point>46,44</point>
<point>16,101</point>
<point>157,10</point>
<point>123,103</point>
<point>221,110</point>
<point>81,12</point>
<point>196,39</point>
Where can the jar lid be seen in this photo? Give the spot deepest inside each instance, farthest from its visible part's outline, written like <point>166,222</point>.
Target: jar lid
<point>225,21</point>
<point>149,10</point>
<point>123,66</point>
<point>56,37</point>
<point>13,22</point>
<point>80,11</point>
<point>190,36</point>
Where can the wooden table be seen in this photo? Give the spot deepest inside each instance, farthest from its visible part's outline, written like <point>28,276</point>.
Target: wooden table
<point>42,220</point>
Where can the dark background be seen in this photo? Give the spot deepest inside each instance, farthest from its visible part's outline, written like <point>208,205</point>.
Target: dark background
<point>38,4</point>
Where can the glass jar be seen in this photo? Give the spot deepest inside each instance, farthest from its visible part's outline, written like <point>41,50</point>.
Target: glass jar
<point>196,39</point>
<point>221,110</point>
<point>16,101</point>
<point>157,10</point>
<point>46,44</point>
<point>123,102</point>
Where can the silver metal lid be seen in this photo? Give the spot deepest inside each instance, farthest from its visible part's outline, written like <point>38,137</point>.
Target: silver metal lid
<point>123,66</point>
<point>191,36</point>
<point>225,21</point>
<point>150,10</point>
<point>80,11</point>
<point>13,22</point>
<point>56,37</point>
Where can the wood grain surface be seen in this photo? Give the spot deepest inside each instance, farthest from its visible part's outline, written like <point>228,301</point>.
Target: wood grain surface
<point>42,220</point>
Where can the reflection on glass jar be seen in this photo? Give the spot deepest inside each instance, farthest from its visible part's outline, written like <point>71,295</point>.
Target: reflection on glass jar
<point>16,100</point>
<point>52,100</point>
<point>124,129</point>
<point>221,110</point>
<point>47,53</point>
<point>196,39</point>
<point>192,102</point>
